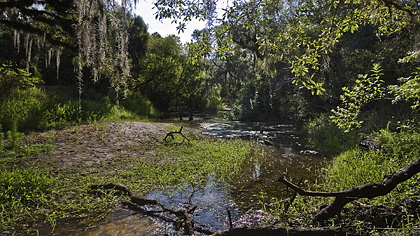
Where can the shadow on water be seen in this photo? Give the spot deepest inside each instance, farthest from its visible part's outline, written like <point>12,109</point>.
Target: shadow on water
<point>286,157</point>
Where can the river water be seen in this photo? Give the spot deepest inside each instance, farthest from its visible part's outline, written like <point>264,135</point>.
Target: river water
<point>242,196</point>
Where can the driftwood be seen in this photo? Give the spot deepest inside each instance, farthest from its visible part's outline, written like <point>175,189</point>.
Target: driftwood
<point>370,191</point>
<point>285,231</point>
<point>171,135</point>
<point>184,219</point>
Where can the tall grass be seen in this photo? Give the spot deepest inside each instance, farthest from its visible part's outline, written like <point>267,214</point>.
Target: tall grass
<point>325,136</point>
<point>354,167</point>
<point>194,163</point>
<point>35,109</point>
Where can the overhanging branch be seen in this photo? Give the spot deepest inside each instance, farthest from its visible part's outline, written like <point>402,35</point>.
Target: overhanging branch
<point>57,41</point>
<point>370,191</point>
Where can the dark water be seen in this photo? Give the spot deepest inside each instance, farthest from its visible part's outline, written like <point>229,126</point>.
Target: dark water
<point>242,196</point>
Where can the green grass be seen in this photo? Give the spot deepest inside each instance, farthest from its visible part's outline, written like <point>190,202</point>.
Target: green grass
<point>325,136</point>
<point>193,163</point>
<point>355,168</point>
<point>33,109</point>
<point>45,195</point>
<point>22,193</point>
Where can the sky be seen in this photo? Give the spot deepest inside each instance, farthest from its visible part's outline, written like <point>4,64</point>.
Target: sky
<point>164,28</point>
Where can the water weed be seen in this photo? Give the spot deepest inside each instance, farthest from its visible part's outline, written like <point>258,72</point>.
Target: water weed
<point>194,163</point>
<point>153,166</point>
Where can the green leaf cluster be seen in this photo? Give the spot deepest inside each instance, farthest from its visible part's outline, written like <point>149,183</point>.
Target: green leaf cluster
<point>12,78</point>
<point>366,89</point>
<point>409,89</point>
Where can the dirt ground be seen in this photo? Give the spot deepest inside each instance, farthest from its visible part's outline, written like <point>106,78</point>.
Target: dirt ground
<point>92,148</point>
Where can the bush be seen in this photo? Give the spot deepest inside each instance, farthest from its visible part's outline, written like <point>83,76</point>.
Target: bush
<point>139,105</point>
<point>23,106</point>
<point>212,101</point>
<point>12,78</point>
<point>366,89</point>
<point>21,103</point>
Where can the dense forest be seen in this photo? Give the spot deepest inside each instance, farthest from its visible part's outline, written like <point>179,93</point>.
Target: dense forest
<point>345,73</point>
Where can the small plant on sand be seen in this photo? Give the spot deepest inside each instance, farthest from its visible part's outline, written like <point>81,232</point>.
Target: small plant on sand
<point>14,138</point>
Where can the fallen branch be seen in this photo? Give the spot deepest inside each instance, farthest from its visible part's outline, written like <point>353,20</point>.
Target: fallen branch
<point>184,218</point>
<point>277,230</point>
<point>171,134</point>
<point>370,191</point>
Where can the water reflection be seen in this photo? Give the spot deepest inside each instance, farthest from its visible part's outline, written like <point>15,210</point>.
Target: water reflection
<point>286,157</point>
<point>211,201</point>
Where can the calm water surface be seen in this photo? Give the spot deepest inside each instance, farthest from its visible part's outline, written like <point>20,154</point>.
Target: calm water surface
<point>286,157</point>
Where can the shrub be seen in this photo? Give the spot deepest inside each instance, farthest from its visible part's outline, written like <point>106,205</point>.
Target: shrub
<point>139,105</point>
<point>21,103</point>
<point>367,88</point>
<point>23,106</point>
<point>212,101</point>
<point>12,78</point>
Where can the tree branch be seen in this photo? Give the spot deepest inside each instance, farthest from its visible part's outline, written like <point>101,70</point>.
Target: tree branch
<point>278,230</point>
<point>54,40</point>
<point>370,191</point>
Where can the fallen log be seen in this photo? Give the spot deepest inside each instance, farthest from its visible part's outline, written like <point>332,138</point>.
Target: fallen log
<point>184,218</point>
<point>370,191</point>
<point>285,231</point>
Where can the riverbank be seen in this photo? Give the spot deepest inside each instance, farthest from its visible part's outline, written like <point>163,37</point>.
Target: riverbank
<point>56,168</point>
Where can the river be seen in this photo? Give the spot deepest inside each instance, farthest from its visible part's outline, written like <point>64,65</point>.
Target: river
<point>242,196</point>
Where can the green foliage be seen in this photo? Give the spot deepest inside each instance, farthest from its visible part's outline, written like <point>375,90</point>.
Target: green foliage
<point>212,101</point>
<point>139,105</point>
<point>254,101</point>
<point>409,89</point>
<point>355,167</point>
<point>134,107</point>
<point>326,138</point>
<point>21,103</point>
<point>137,46</point>
<point>365,90</point>
<point>161,71</point>
<point>14,138</point>
<point>1,140</point>
<point>12,78</point>
<point>20,191</point>
<point>23,106</point>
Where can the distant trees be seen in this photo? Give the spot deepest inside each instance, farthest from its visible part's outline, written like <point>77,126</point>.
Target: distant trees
<point>272,56</point>
<point>168,77</point>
